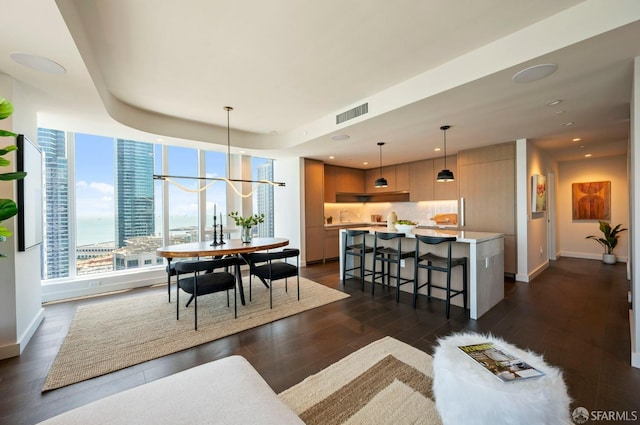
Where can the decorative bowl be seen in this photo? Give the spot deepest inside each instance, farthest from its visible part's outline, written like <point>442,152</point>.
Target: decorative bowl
<point>405,228</point>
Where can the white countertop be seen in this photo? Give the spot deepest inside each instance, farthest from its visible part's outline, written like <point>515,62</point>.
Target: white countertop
<point>461,235</point>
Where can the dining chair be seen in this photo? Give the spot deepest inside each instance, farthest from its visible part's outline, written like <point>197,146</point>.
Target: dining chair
<point>271,266</point>
<point>439,263</point>
<point>205,279</point>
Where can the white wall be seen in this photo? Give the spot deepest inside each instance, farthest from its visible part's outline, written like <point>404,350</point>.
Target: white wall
<point>20,305</point>
<point>537,223</point>
<point>634,178</point>
<point>572,233</point>
<point>287,207</point>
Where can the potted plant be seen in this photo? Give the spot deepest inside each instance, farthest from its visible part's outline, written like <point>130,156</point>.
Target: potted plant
<point>8,208</point>
<point>246,223</point>
<point>609,241</point>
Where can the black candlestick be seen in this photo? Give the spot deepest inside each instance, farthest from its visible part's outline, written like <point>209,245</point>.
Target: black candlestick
<point>215,233</point>
<point>221,240</point>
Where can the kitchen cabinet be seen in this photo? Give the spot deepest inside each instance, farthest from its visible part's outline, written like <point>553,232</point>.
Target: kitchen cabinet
<point>402,177</point>
<point>349,180</point>
<point>487,184</point>
<point>314,210</point>
<point>330,172</point>
<point>421,179</point>
<point>331,244</point>
<point>340,180</point>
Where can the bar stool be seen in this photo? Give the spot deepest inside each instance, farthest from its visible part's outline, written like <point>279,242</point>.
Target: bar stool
<point>388,255</point>
<point>355,249</point>
<point>441,264</point>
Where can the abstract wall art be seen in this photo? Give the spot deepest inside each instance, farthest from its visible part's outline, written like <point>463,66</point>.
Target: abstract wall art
<point>591,200</point>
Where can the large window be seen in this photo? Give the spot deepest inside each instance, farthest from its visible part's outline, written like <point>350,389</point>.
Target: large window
<point>104,212</point>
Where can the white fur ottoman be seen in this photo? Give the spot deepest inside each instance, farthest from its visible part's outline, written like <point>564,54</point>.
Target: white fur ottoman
<point>468,394</point>
<point>225,391</point>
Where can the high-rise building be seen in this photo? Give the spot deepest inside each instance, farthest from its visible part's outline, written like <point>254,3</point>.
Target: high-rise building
<point>264,199</point>
<point>55,252</point>
<point>134,190</point>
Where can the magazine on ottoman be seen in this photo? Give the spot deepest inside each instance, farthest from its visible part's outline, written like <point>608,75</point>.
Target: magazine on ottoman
<point>499,363</point>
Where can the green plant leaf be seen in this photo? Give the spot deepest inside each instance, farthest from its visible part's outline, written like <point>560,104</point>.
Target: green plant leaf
<point>8,209</point>
<point>17,175</point>
<point>6,108</point>
<point>6,133</point>
<point>4,233</point>
<point>8,149</point>
<point>4,162</point>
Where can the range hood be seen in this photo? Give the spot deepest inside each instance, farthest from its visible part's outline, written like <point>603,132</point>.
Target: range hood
<point>402,196</point>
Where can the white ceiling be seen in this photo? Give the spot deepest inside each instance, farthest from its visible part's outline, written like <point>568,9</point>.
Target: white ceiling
<point>150,69</point>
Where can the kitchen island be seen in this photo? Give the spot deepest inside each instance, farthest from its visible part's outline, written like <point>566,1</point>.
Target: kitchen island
<point>484,250</point>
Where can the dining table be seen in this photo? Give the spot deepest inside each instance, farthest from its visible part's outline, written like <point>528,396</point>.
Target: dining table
<point>210,249</point>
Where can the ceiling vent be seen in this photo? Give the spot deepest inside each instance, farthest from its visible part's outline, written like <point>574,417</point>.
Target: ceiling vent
<point>352,113</point>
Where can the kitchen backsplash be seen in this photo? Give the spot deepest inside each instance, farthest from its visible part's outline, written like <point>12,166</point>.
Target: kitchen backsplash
<point>420,212</point>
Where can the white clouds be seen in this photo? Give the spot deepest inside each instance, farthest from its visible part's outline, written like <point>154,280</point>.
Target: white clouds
<point>102,187</point>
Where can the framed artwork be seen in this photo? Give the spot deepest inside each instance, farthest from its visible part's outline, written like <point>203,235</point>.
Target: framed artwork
<point>591,201</point>
<point>539,192</point>
<point>29,159</point>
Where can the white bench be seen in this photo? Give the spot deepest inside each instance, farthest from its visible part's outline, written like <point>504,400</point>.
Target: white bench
<point>226,391</point>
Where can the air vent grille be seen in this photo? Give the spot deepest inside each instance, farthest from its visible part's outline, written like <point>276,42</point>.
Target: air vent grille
<point>352,113</point>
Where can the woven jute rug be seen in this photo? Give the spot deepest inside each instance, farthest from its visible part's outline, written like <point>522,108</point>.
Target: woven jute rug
<point>386,382</point>
<point>113,335</point>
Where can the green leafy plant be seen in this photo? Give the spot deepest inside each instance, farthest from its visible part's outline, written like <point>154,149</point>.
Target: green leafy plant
<point>8,208</point>
<point>252,220</point>
<point>610,239</point>
<point>407,222</point>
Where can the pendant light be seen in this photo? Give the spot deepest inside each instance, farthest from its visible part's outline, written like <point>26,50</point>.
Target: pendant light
<point>445,175</point>
<point>381,182</point>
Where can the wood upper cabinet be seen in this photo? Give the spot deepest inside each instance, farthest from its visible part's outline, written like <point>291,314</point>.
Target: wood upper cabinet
<point>421,180</point>
<point>402,177</point>
<point>445,190</point>
<point>349,180</point>
<point>330,183</point>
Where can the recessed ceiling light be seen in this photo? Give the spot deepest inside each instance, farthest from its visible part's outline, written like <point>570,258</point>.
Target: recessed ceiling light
<point>560,112</point>
<point>581,146</point>
<point>437,149</point>
<point>576,139</point>
<point>568,123</point>
<point>365,163</point>
<point>332,157</point>
<point>534,73</point>
<point>38,63</point>
<point>340,137</point>
<point>588,155</point>
<point>554,102</point>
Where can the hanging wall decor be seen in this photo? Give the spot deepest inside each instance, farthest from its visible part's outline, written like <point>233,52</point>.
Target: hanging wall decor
<point>539,192</point>
<point>591,201</point>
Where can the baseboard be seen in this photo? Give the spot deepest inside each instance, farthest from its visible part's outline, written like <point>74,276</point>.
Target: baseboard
<point>635,355</point>
<point>589,256</point>
<point>15,349</point>
<point>539,270</point>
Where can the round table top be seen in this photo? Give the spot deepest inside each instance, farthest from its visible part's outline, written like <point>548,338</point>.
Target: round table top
<point>230,247</point>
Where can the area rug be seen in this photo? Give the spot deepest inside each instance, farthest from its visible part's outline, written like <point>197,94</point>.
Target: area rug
<point>386,382</point>
<point>113,335</point>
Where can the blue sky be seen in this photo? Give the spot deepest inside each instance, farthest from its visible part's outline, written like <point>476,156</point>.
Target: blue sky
<point>95,156</point>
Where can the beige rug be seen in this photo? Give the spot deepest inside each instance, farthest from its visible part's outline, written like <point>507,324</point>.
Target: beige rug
<point>117,334</point>
<point>386,382</point>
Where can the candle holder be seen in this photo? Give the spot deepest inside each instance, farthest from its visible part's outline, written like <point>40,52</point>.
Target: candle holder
<point>215,233</point>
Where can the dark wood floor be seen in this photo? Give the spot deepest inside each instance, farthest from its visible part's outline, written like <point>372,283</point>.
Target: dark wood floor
<point>575,314</point>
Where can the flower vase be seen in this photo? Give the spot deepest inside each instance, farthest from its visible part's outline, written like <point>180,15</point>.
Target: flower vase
<point>246,235</point>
